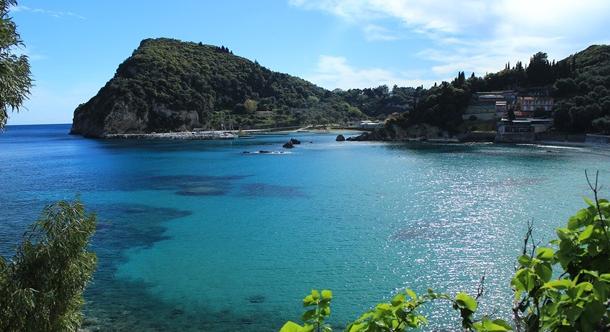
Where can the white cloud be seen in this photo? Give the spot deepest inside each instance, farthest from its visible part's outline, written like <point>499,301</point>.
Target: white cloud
<point>478,35</point>
<point>373,32</point>
<point>53,13</point>
<point>335,72</point>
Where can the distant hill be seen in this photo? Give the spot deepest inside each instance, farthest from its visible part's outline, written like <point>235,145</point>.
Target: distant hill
<point>580,85</point>
<point>170,85</point>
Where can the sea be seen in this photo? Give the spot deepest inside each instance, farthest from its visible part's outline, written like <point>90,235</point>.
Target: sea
<point>214,236</point>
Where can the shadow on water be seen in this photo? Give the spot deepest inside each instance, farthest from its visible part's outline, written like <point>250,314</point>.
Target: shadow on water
<point>270,190</point>
<point>526,152</point>
<point>191,185</point>
<point>113,304</point>
<point>129,306</point>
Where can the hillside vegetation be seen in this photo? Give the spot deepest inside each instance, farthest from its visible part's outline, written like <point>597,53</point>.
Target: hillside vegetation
<point>170,85</point>
<point>580,85</point>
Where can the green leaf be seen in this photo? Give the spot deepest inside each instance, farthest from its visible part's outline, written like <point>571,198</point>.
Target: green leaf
<point>466,301</point>
<point>544,253</point>
<point>593,312</point>
<point>398,299</point>
<point>524,260</point>
<point>315,294</point>
<point>586,234</point>
<point>558,284</point>
<point>589,201</point>
<point>291,327</point>
<point>308,315</point>
<point>488,325</point>
<point>327,294</point>
<point>411,293</point>
<point>308,300</point>
<point>544,272</point>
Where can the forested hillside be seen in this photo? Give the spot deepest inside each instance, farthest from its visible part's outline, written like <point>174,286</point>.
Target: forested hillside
<point>170,85</point>
<point>580,85</point>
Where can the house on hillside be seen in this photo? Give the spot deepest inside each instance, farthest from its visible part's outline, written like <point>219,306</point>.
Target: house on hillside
<point>521,130</point>
<point>368,124</point>
<point>489,105</point>
<point>516,131</point>
<point>534,101</point>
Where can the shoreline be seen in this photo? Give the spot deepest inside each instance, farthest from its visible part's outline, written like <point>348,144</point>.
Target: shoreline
<point>228,134</point>
<point>249,133</point>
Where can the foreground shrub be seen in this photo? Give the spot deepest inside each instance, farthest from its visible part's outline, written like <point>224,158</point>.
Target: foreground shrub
<point>41,289</point>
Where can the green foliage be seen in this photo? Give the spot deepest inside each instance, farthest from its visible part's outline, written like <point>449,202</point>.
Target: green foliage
<point>15,81</point>
<point>441,106</point>
<point>318,309</point>
<point>165,78</point>
<point>41,288</point>
<point>576,300</point>
<point>400,314</point>
<point>583,96</point>
<point>380,101</point>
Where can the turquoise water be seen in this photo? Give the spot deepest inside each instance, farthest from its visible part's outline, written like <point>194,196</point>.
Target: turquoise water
<point>197,235</point>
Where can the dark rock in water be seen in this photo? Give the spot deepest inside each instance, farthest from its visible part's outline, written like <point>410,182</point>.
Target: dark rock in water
<point>295,141</point>
<point>264,151</point>
<point>288,145</point>
<point>362,137</point>
<point>340,138</point>
<point>256,299</point>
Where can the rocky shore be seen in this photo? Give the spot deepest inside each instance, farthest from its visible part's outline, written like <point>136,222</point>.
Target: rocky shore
<point>183,135</point>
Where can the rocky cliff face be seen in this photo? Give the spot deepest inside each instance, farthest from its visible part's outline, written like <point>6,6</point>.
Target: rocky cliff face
<point>169,86</point>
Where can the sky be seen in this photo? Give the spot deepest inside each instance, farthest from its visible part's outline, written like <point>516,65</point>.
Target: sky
<point>75,46</point>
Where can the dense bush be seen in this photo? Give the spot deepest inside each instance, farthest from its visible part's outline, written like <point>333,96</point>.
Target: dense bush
<point>564,286</point>
<point>41,289</point>
<point>584,96</point>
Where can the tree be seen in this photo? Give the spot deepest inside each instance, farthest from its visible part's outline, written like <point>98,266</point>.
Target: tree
<point>41,289</point>
<point>539,71</point>
<point>15,81</point>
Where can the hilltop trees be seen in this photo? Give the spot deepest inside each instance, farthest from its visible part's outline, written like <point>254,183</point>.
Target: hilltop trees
<point>539,71</point>
<point>580,85</point>
<point>170,85</point>
<point>583,98</point>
